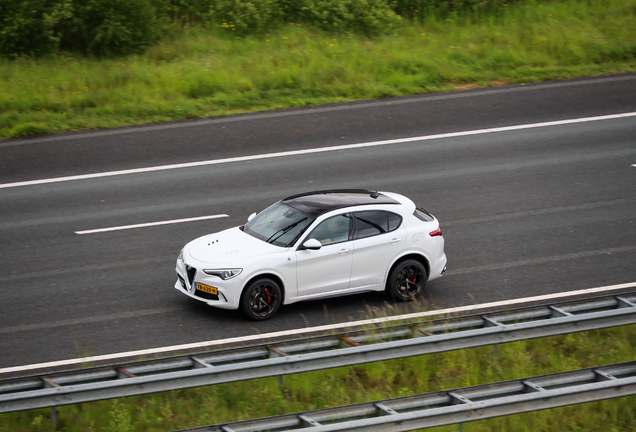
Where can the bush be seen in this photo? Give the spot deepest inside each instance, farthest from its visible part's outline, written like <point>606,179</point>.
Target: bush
<point>245,16</point>
<point>370,17</point>
<point>26,28</point>
<point>112,27</point>
<point>444,8</point>
<point>28,129</point>
<point>95,27</point>
<point>183,12</point>
<point>120,27</point>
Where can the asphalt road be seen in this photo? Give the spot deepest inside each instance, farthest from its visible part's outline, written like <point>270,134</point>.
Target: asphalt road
<point>525,212</point>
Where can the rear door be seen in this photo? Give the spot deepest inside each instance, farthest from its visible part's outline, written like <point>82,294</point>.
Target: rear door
<point>378,237</point>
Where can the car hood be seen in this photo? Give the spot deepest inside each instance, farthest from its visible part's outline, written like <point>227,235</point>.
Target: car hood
<point>229,247</point>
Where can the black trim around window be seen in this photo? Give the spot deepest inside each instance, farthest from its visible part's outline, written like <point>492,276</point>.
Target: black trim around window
<point>386,227</point>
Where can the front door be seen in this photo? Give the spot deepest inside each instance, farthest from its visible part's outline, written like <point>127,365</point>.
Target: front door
<point>327,270</point>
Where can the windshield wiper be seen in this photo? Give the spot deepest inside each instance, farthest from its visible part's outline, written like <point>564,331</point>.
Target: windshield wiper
<point>282,231</point>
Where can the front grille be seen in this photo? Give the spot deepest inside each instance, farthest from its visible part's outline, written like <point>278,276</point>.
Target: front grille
<point>182,281</point>
<point>206,295</point>
<point>191,271</point>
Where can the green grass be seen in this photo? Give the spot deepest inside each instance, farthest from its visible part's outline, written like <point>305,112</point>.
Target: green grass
<point>209,72</point>
<point>375,381</point>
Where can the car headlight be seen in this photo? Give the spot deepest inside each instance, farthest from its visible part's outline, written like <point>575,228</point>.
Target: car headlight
<point>180,257</point>
<point>224,274</point>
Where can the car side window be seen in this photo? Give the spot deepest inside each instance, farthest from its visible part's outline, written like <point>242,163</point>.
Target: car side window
<point>370,223</point>
<point>395,220</point>
<point>333,230</point>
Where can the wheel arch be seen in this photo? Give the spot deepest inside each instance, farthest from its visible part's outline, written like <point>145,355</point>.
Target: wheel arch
<point>412,255</point>
<point>272,276</point>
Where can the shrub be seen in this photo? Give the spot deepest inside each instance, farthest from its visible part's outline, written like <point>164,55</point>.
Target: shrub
<point>112,27</point>
<point>28,129</point>
<point>257,16</point>
<point>183,12</point>
<point>444,8</point>
<point>245,16</point>
<point>96,27</point>
<point>120,27</point>
<point>26,28</point>
<point>370,17</point>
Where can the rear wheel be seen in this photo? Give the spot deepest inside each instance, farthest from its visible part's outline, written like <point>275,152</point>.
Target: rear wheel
<point>407,280</point>
<point>261,299</point>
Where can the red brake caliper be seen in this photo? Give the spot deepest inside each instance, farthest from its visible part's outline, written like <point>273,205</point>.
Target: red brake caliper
<point>269,298</point>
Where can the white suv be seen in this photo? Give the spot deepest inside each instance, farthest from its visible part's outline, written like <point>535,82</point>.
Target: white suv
<point>314,245</point>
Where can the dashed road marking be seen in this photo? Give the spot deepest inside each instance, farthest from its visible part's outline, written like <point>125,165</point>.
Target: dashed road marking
<point>150,224</point>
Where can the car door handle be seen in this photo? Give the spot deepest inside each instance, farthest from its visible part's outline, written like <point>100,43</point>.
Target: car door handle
<point>343,251</point>
<point>395,240</point>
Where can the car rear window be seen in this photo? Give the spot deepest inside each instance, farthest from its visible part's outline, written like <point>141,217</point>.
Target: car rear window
<point>422,214</point>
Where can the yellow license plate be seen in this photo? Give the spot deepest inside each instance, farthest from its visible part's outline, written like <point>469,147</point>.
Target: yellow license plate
<point>207,289</point>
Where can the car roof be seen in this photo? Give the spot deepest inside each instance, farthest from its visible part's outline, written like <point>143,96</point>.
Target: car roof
<point>319,202</point>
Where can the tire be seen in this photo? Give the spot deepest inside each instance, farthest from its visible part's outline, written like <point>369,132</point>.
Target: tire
<point>407,280</point>
<point>261,299</point>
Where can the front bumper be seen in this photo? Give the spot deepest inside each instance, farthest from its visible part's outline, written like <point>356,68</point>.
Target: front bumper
<point>229,291</point>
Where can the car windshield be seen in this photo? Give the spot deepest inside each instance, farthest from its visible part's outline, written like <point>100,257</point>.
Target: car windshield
<point>279,225</point>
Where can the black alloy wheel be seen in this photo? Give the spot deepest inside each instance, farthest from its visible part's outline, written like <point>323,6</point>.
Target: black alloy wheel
<point>261,299</point>
<point>407,280</point>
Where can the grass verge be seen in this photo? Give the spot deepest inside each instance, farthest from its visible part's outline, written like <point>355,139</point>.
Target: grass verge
<point>375,381</point>
<point>210,72</point>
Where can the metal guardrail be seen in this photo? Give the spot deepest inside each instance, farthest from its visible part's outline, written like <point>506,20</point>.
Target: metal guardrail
<point>316,353</point>
<point>454,406</point>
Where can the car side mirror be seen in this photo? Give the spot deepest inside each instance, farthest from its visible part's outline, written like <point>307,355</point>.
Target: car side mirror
<point>250,217</point>
<point>312,244</point>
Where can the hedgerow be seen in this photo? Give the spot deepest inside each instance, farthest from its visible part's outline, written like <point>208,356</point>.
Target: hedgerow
<point>119,27</point>
<point>89,27</point>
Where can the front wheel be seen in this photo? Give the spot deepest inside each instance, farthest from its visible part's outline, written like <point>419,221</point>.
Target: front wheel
<point>407,280</point>
<point>261,299</point>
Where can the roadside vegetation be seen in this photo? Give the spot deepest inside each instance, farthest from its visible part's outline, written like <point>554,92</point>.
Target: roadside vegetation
<point>203,58</point>
<point>84,64</point>
<point>245,400</point>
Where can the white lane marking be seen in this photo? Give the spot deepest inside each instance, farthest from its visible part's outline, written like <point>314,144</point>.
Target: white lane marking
<point>315,150</point>
<point>296,332</point>
<point>314,110</point>
<point>149,224</point>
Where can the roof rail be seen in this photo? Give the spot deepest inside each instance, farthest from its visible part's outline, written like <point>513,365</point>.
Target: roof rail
<point>329,191</point>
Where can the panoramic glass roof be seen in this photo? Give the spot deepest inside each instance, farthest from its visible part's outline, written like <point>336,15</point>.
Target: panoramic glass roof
<point>319,202</point>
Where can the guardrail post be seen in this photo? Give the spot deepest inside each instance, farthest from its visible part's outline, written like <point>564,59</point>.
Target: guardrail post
<point>54,417</point>
<point>273,353</point>
<point>49,383</point>
<point>490,322</point>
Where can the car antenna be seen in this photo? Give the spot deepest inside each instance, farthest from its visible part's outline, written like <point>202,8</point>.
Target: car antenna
<point>375,194</point>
